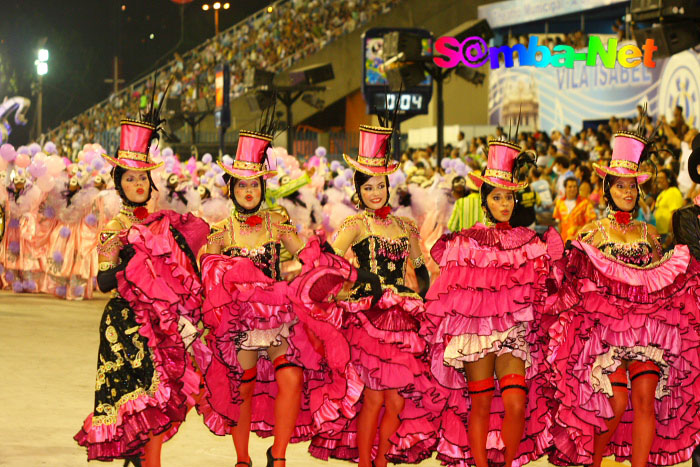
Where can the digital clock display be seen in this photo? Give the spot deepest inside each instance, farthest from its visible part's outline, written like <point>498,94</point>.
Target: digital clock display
<point>407,102</point>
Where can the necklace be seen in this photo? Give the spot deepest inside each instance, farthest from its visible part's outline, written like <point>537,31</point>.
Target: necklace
<point>134,213</point>
<point>620,220</point>
<point>248,223</point>
<point>380,216</point>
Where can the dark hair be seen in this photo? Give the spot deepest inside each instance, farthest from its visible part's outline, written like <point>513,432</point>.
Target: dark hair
<point>562,160</point>
<point>360,179</point>
<point>670,176</point>
<point>571,179</point>
<point>232,184</point>
<point>117,174</point>
<point>608,182</point>
<point>458,179</point>
<point>585,173</point>
<point>485,191</point>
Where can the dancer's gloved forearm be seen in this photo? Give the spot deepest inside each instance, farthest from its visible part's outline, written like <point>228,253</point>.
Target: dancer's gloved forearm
<point>107,280</point>
<point>423,280</point>
<point>366,277</point>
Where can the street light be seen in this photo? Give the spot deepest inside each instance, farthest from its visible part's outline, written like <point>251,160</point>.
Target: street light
<point>216,6</point>
<point>42,68</point>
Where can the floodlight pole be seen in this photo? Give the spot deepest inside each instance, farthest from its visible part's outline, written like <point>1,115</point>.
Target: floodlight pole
<point>439,75</point>
<point>288,95</point>
<point>39,106</point>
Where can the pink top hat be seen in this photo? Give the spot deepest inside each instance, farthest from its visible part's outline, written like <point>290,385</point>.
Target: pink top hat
<point>134,144</point>
<point>499,167</point>
<point>627,150</point>
<point>373,157</point>
<point>250,154</point>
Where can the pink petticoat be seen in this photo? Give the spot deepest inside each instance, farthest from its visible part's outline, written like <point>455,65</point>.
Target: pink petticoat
<point>489,299</point>
<point>607,312</point>
<point>378,348</point>
<point>161,285</point>
<point>240,301</point>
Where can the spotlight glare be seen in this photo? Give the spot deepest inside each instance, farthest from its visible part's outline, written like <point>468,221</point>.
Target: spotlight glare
<point>217,5</point>
<point>205,7</point>
<point>152,36</point>
<point>227,6</point>
<point>43,55</point>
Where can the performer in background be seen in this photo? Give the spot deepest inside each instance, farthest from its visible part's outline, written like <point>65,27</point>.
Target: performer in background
<point>624,344</point>
<point>486,306</point>
<point>145,378</point>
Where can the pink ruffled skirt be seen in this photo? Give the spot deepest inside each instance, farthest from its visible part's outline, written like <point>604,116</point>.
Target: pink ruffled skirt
<point>142,333</point>
<point>246,310</point>
<point>489,299</point>
<point>607,312</point>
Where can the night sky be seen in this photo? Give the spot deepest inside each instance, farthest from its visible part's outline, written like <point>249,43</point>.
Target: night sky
<point>83,36</point>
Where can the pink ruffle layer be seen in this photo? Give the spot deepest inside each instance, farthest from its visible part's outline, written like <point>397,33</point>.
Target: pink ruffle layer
<point>364,352</point>
<point>161,284</point>
<point>604,305</point>
<point>492,281</point>
<point>240,298</point>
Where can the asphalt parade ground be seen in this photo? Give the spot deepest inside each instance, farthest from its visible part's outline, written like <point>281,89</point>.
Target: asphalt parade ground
<point>48,352</point>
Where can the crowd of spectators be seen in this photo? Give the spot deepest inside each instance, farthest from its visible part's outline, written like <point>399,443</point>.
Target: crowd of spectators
<point>565,189</point>
<point>272,39</point>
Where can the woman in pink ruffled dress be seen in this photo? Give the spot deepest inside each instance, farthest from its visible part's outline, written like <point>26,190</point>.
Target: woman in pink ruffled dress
<point>249,313</point>
<point>381,322</point>
<point>146,381</point>
<point>486,306</point>
<point>624,344</point>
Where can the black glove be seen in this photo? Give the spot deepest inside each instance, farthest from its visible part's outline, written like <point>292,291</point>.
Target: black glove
<point>327,248</point>
<point>366,277</point>
<point>107,280</point>
<point>423,280</point>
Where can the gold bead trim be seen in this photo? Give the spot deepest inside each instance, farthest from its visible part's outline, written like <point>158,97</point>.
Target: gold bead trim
<point>245,165</point>
<point>498,142</point>
<point>128,121</point>
<point>254,134</point>
<point>372,161</point>
<point>136,156</point>
<point>624,164</point>
<point>380,130</point>
<point>502,174</point>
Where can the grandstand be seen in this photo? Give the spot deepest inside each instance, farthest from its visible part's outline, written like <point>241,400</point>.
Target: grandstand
<point>294,34</point>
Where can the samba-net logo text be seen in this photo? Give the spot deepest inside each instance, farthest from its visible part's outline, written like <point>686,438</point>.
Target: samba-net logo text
<point>474,53</point>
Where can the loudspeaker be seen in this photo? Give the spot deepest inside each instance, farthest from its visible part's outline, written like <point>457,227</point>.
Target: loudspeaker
<point>396,42</point>
<point>259,101</point>
<point>670,38</point>
<point>470,75</point>
<point>312,74</point>
<point>478,28</point>
<point>410,74</point>
<point>663,10</point>
<point>255,77</point>
<point>172,104</point>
